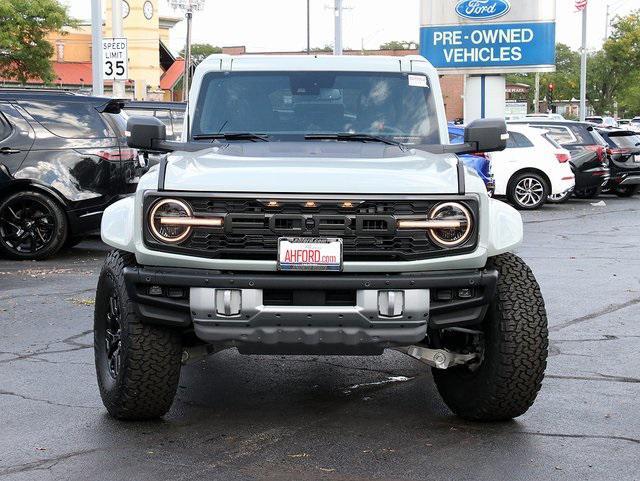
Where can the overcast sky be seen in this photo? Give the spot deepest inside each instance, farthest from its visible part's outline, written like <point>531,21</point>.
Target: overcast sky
<point>280,25</point>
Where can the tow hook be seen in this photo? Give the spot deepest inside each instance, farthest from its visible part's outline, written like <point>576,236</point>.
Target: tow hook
<point>438,358</point>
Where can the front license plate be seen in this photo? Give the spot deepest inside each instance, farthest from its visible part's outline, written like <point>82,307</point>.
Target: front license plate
<point>309,254</point>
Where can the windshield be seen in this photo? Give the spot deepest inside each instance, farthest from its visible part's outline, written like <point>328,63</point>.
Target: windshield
<point>626,141</point>
<point>290,105</point>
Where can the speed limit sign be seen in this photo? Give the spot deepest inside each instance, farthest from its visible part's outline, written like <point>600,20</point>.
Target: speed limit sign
<point>115,59</point>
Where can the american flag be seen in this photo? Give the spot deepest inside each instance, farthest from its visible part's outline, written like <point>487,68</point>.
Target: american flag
<point>581,4</point>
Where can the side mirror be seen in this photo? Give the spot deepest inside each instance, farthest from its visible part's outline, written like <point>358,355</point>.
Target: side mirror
<point>488,135</point>
<point>146,133</point>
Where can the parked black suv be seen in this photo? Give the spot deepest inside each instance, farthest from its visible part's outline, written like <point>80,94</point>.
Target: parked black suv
<point>63,160</point>
<point>589,156</point>
<point>624,150</point>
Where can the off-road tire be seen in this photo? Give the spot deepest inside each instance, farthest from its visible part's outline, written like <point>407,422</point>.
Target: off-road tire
<point>57,214</point>
<point>149,366</point>
<point>627,190</point>
<point>508,379</point>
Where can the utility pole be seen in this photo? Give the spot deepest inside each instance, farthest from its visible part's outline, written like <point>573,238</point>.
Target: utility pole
<point>187,58</point>
<point>308,27</point>
<point>116,32</point>
<point>536,102</point>
<point>606,24</point>
<point>583,67</point>
<point>337,48</point>
<point>96,47</point>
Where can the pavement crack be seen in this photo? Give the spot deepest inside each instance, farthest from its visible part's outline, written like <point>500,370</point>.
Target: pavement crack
<point>47,401</point>
<point>48,294</point>
<point>581,436</point>
<point>594,315</point>
<point>41,464</point>
<point>599,377</point>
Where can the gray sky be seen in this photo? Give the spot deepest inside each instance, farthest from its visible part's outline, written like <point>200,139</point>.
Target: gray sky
<point>280,25</point>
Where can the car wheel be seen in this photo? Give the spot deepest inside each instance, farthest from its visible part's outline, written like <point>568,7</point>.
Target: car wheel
<point>528,191</point>
<point>512,346</point>
<point>33,226</point>
<point>590,193</point>
<point>627,190</point>
<point>137,365</point>
<point>559,198</point>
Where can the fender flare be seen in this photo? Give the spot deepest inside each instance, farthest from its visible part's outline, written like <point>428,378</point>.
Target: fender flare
<point>506,229</point>
<point>11,184</point>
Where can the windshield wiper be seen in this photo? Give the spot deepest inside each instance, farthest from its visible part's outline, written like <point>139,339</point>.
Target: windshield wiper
<point>233,136</point>
<point>354,138</point>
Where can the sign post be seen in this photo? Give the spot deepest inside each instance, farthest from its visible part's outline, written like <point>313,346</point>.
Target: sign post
<point>115,63</point>
<point>486,39</point>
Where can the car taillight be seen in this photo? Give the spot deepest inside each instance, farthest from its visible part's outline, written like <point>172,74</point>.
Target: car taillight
<point>617,151</point>
<point>562,157</point>
<point>113,154</point>
<point>600,151</point>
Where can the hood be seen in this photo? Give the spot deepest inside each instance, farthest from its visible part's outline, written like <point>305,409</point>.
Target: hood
<point>314,167</point>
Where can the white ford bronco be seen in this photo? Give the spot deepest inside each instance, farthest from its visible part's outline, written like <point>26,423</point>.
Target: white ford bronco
<point>315,206</point>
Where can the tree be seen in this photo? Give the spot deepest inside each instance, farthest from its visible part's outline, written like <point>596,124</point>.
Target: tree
<point>200,51</point>
<point>398,45</point>
<point>25,51</point>
<point>566,78</point>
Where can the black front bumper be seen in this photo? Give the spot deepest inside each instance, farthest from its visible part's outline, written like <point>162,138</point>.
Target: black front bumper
<point>162,296</point>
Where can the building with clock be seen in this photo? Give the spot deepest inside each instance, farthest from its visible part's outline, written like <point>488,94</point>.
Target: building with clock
<point>150,59</point>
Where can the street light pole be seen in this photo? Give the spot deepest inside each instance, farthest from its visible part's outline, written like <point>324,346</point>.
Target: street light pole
<point>308,27</point>
<point>96,47</point>
<point>189,6</point>
<point>583,67</point>
<point>116,32</point>
<point>187,58</point>
<point>337,48</point>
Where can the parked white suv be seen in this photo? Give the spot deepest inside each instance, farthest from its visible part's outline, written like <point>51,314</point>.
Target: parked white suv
<point>531,168</point>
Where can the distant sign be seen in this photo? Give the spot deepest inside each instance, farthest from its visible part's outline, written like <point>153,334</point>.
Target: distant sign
<point>489,36</point>
<point>115,60</point>
<point>482,9</point>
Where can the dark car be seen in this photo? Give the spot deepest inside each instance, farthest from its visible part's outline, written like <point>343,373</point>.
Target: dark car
<point>171,114</point>
<point>624,151</point>
<point>63,160</point>
<point>479,162</point>
<point>589,155</point>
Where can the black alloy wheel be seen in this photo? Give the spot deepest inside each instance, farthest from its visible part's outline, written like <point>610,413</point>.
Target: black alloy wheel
<point>32,226</point>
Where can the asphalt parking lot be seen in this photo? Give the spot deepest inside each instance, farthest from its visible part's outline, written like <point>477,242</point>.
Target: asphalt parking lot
<point>335,418</point>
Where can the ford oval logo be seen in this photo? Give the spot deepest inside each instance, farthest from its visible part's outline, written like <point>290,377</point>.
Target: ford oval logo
<point>482,9</point>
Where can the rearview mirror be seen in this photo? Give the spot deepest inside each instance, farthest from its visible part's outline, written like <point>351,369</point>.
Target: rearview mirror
<point>146,133</point>
<point>488,135</point>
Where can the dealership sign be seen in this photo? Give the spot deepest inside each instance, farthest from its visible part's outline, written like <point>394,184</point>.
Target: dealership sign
<point>489,36</point>
<point>482,9</point>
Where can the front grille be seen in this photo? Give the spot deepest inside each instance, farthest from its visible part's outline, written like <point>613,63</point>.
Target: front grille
<point>252,227</point>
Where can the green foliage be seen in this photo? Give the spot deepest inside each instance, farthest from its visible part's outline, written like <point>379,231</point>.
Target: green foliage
<point>612,72</point>
<point>24,50</point>
<point>398,45</point>
<point>327,48</point>
<point>200,51</point>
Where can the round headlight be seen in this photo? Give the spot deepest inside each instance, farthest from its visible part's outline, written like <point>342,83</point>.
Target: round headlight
<point>451,236</point>
<point>165,231</point>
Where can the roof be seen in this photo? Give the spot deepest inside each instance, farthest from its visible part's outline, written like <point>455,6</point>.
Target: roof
<point>346,63</point>
<point>66,73</point>
<point>54,95</point>
<point>137,104</point>
<point>171,76</point>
